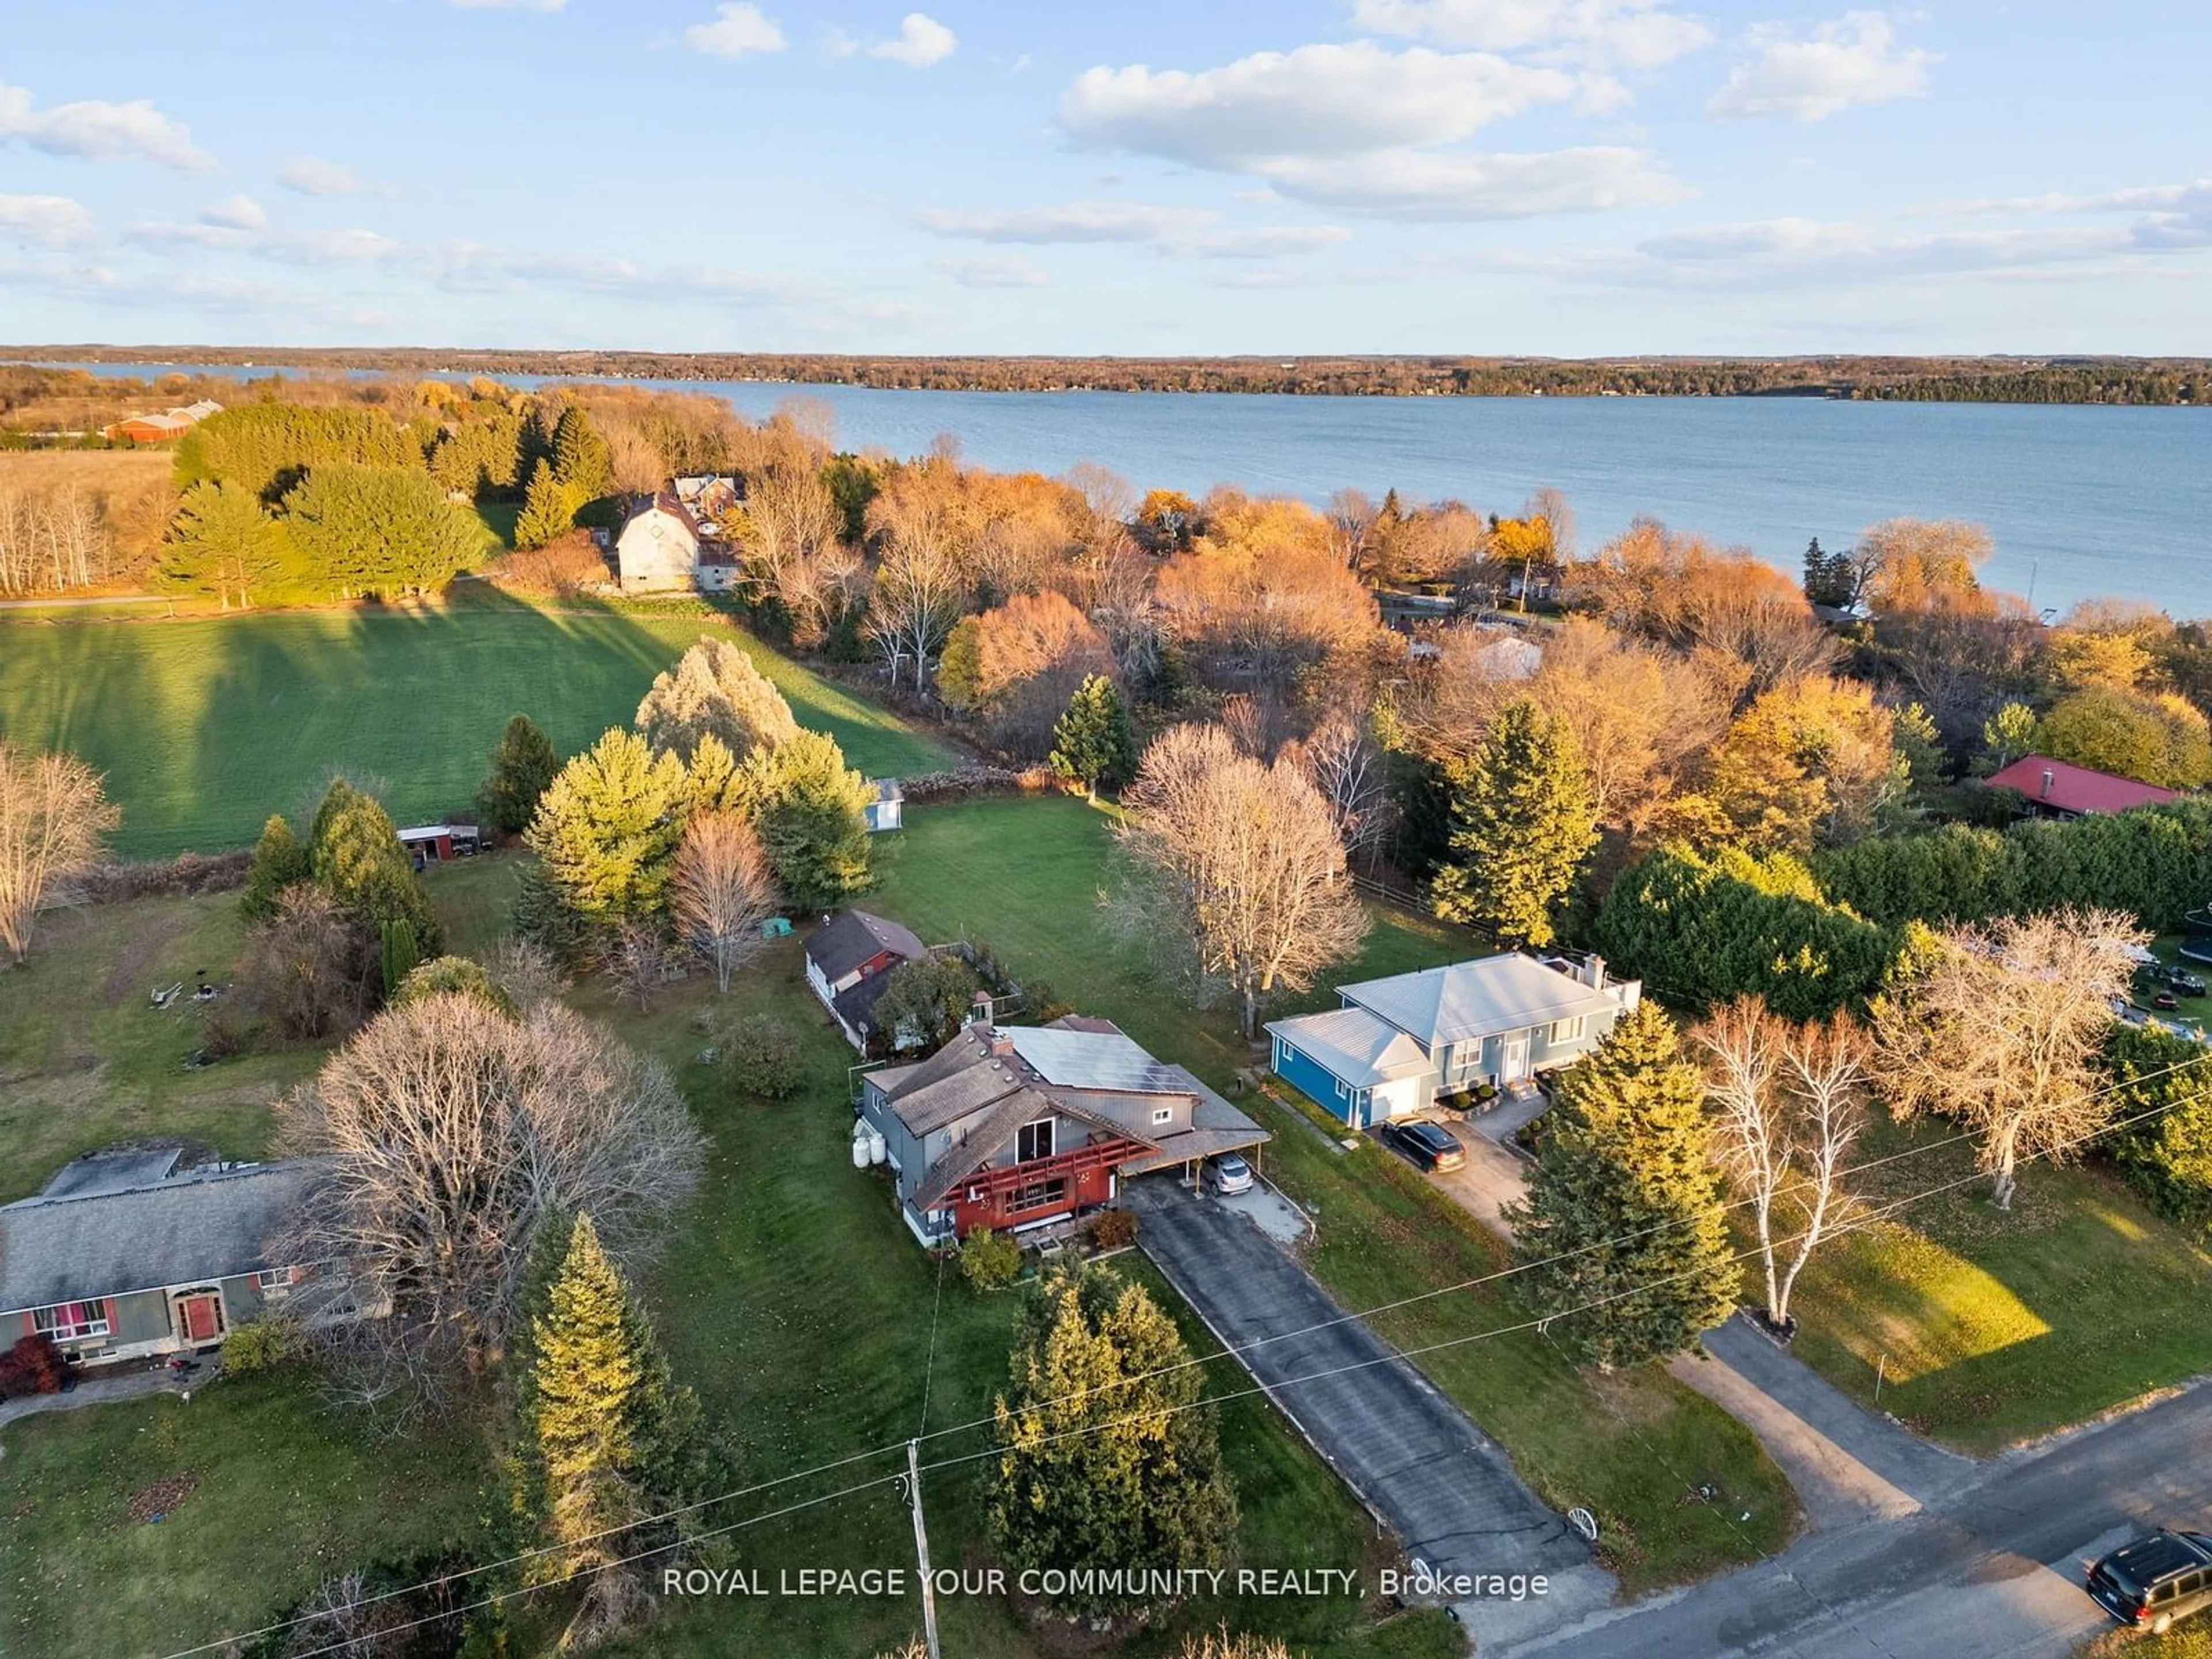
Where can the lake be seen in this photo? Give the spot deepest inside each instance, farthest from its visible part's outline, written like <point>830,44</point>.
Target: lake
<point>2081,501</point>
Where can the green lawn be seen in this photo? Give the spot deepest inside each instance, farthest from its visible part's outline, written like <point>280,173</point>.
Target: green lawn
<point>282,1498</point>
<point>206,726</point>
<point>1989,1326</point>
<point>1024,875</point>
<point>85,1058</point>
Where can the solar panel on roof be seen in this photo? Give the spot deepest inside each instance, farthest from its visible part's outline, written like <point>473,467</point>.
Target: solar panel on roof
<point>1093,1059</point>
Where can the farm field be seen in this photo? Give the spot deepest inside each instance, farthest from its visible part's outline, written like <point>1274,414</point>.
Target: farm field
<point>206,727</point>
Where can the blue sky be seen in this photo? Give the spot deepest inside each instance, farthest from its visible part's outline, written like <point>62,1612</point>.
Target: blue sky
<point>1570,177</point>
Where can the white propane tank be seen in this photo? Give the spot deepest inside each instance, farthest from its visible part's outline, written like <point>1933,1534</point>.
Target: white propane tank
<point>860,1134</point>
<point>877,1150</point>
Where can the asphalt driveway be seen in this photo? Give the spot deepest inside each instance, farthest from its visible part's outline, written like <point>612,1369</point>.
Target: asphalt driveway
<point>1410,1455</point>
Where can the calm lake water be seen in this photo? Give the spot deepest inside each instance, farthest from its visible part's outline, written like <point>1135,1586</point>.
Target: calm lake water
<point>2080,501</point>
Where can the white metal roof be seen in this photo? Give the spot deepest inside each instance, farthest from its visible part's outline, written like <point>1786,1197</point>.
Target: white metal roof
<point>1354,1045</point>
<point>1485,998</point>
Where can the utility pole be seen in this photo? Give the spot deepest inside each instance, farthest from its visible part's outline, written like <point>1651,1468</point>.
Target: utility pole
<point>921,1548</point>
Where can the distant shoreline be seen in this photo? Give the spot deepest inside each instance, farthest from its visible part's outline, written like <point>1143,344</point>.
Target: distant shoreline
<point>2182,381</point>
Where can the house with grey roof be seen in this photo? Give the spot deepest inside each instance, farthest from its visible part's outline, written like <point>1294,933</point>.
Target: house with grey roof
<point>1398,1045</point>
<point>849,959</point>
<point>126,1255</point>
<point>1012,1127</point>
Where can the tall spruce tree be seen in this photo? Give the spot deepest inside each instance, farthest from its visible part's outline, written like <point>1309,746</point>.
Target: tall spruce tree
<point>581,463</point>
<point>1106,1458</point>
<point>1093,743</point>
<point>1624,1207</point>
<point>614,1438</point>
<point>279,861</point>
<point>355,857</point>
<point>809,810</point>
<point>1521,827</point>
<point>549,509</point>
<point>607,830</point>
<point>523,767</point>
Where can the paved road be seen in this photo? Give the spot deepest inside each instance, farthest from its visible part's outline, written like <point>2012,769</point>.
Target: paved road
<point>1446,1490</point>
<point>1991,1569</point>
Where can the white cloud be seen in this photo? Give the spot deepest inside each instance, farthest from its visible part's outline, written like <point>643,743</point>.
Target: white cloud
<point>1362,129</point>
<point>237,213</point>
<point>1315,101</point>
<point>1076,221</point>
<point>100,131</point>
<point>311,176</point>
<point>507,5</point>
<point>1429,186</point>
<point>44,221</point>
<point>922,40</point>
<point>1853,61</point>
<point>291,247</point>
<point>738,28</point>
<point>1633,34</point>
<point>1002,270</point>
<point>1192,232</point>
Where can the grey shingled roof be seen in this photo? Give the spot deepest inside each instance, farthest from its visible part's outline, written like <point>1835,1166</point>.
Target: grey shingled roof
<point>1499,994</point>
<point>843,942</point>
<point>187,1228</point>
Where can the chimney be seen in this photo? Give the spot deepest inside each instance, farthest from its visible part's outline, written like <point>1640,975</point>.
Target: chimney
<point>1001,1046</point>
<point>1593,973</point>
<point>2049,778</point>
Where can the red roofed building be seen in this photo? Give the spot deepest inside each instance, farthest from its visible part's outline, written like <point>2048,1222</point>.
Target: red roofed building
<point>2056,790</point>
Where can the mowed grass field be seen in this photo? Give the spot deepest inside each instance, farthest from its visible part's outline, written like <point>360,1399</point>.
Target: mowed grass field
<point>206,727</point>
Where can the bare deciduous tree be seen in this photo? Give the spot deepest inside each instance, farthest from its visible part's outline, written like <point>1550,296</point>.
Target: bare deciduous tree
<point>302,966</point>
<point>722,892</point>
<point>450,1135</point>
<point>1998,1028</point>
<point>1238,864</point>
<point>637,960</point>
<point>1345,763</point>
<point>919,593</point>
<point>53,813</point>
<point>1791,1105</point>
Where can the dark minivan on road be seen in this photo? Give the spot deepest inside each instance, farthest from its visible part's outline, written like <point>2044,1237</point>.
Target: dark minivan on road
<point>2155,1581</point>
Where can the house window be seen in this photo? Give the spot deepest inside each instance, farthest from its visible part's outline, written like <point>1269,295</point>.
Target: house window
<point>1162,1115</point>
<point>1282,1054</point>
<point>273,1282</point>
<point>1343,1090</point>
<point>1570,1031</point>
<point>1033,1142</point>
<point>72,1322</point>
<point>1037,1195</point>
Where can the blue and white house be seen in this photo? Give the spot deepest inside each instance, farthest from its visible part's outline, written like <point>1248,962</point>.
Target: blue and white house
<point>1399,1044</point>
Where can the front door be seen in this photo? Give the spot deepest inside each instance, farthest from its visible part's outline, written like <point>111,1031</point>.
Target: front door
<point>199,1316</point>
<point>1512,1060</point>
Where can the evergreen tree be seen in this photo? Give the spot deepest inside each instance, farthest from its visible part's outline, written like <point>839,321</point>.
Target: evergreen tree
<point>607,827</point>
<point>810,811</point>
<point>223,546</point>
<point>1521,827</point>
<point>382,530</point>
<point>2007,735</point>
<point>1623,1203</point>
<point>581,464</point>
<point>1106,1459</point>
<point>1828,576</point>
<point>549,509</point>
<point>1093,743</point>
<point>355,857</point>
<point>523,767</point>
<point>399,954</point>
<point>613,1437</point>
<point>713,689</point>
<point>279,861</point>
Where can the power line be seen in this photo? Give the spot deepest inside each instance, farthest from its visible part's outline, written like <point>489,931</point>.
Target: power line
<point>1239,1349</point>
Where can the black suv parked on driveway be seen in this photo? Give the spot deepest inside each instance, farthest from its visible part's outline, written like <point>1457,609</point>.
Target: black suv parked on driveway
<point>2154,1580</point>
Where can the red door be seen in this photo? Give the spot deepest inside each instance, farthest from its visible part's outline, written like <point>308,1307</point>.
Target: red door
<point>199,1318</point>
